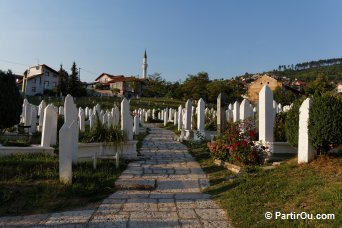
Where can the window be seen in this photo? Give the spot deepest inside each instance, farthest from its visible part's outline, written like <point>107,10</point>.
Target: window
<point>54,84</point>
<point>34,81</point>
<point>33,89</point>
<point>47,73</point>
<point>46,84</point>
<point>40,80</point>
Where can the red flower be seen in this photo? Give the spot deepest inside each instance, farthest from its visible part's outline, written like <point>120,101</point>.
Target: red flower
<point>251,143</point>
<point>251,133</point>
<point>244,144</point>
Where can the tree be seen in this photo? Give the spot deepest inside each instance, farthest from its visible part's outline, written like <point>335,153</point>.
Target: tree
<point>194,86</point>
<point>155,86</point>
<point>10,101</point>
<point>284,97</point>
<point>74,86</point>
<point>63,81</point>
<point>319,86</point>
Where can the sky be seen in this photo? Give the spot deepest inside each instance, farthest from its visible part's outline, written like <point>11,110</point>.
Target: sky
<point>225,38</point>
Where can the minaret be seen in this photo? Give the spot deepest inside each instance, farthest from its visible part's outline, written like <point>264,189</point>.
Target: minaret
<point>144,66</point>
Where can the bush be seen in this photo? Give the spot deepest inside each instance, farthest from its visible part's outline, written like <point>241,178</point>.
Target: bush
<point>325,122</point>
<point>279,127</point>
<point>100,133</point>
<point>236,145</point>
<point>10,101</point>
<point>292,123</point>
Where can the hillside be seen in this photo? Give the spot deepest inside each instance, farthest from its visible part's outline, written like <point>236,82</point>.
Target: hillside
<point>308,71</point>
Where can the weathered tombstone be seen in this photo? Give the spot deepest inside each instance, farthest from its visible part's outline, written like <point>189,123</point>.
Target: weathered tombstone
<point>61,110</point>
<point>86,113</point>
<point>188,108</point>
<point>266,114</point>
<point>245,109</point>
<point>306,152</point>
<point>92,121</point>
<point>126,123</point>
<point>220,118</point>
<point>200,115</point>
<point>97,109</point>
<point>109,120</point>
<point>236,111</point>
<point>49,125</point>
<point>180,117</point>
<point>27,114</point>
<point>153,114</point>
<point>136,125</point>
<point>116,116</point>
<point>175,118</point>
<point>81,118</point>
<point>166,118</point>
<point>70,115</point>
<point>42,107</point>
<point>66,144</point>
<point>34,114</point>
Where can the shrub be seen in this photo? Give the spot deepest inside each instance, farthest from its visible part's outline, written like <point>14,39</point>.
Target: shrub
<point>10,101</point>
<point>236,145</point>
<point>279,127</point>
<point>325,122</point>
<point>292,123</point>
<point>100,133</point>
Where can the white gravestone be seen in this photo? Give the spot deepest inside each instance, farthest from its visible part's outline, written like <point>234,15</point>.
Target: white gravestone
<point>49,125</point>
<point>306,152</point>
<point>266,114</point>
<point>200,115</point>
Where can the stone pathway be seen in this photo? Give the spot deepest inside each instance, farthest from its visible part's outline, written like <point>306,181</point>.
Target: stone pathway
<point>160,190</point>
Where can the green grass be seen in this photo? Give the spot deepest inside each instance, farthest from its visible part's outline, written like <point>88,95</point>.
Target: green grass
<point>29,184</point>
<point>140,137</point>
<point>312,188</point>
<point>109,102</point>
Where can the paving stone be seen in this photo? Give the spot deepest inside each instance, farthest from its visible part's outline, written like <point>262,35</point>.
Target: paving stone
<point>216,224</point>
<point>136,183</point>
<point>190,223</point>
<point>69,217</point>
<point>211,214</point>
<point>187,213</point>
<point>23,220</point>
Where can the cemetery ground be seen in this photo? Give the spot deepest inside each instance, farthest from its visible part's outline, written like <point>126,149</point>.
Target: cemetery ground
<point>313,188</point>
<point>29,184</point>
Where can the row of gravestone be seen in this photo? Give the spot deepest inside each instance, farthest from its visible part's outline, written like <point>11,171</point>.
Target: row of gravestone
<point>266,109</point>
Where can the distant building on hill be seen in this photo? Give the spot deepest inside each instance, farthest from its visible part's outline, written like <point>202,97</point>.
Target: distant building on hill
<point>121,85</point>
<point>37,79</point>
<point>255,87</point>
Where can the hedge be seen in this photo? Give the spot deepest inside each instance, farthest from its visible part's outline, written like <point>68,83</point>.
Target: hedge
<point>325,122</point>
<point>292,123</point>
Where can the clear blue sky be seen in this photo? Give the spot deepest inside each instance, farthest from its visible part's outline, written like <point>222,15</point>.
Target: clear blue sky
<point>224,38</point>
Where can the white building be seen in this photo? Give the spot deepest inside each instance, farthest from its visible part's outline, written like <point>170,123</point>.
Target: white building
<point>39,78</point>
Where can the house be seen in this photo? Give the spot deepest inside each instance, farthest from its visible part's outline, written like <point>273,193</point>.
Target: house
<point>255,87</point>
<point>120,85</point>
<point>38,79</point>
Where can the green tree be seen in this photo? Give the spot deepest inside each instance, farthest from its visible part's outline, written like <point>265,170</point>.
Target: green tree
<point>194,86</point>
<point>75,87</point>
<point>320,85</point>
<point>10,101</point>
<point>282,96</point>
<point>155,86</point>
<point>63,81</point>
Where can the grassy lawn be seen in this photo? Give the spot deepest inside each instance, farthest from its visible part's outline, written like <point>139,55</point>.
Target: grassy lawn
<point>109,102</point>
<point>29,184</point>
<point>312,188</point>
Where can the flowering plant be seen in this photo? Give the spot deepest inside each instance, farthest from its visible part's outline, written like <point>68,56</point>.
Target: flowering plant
<point>236,145</point>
